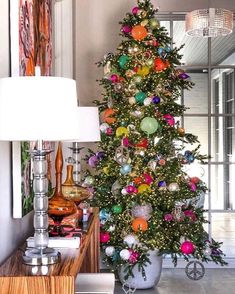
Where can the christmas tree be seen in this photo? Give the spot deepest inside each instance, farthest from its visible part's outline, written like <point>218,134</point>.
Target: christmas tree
<point>146,199</point>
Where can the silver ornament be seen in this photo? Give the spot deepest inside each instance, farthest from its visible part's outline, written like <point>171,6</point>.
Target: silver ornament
<point>147,101</point>
<point>130,240</point>
<point>122,155</point>
<point>152,164</point>
<point>116,187</point>
<point>104,127</point>
<point>143,211</point>
<point>125,254</point>
<point>109,251</point>
<point>173,187</point>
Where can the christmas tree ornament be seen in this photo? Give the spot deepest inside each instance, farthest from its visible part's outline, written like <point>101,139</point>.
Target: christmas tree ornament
<point>143,71</point>
<point>93,161</point>
<point>168,217</point>
<point>173,187</point>
<point>131,189</point>
<point>109,131</point>
<point>144,22</point>
<point>147,101</point>
<point>104,127</point>
<point>100,155</point>
<point>159,64</point>
<point>132,100</point>
<point>125,142</point>
<point>138,113</point>
<point>169,119</point>
<point>142,211</point>
<point>147,179</point>
<point>190,214</point>
<point>109,251</point>
<point>181,131</point>
<point>118,87</point>
<point>195,180</point>
<point>126,29</point>
<point>111,228</point>
<point>123,59</point>
<point>188,155</point>
<point>178,214</point>
<point>116,188</point>
<point>183,76</point>
<point>162,184</point>
<point>152,164</point>
<point>187,247</point>
<point>207,251</point>
<point>125,169</point>
<point>140,152</point>
<point>131,89</point>
<point>130,240</point>
<point>143,143</point>
<point>193,186</point>
<point>108,116</point>
<point>150,62</point>
<point>154,23</point>
<point>141,13</point>
<point>135,10</point>
<point>122,155</point>
<point>162,162</point>
<point>125,254</point>
<point>124,191</point>
<point>106,170</point>
<point>134,256</point>
<point>129,73</point>
<point>104,214</point>
<point>149,125</point>
<point>137,79</point>
<point>114,78</point>
<point>121,131</point>
<point>104,237</point>
<point>139,97</point>
<point>107,68</point>
<point>139,224</point>
<point>89,181</point>
<point>117,209</point>
<point>139,32</point>
<point>144,188</point>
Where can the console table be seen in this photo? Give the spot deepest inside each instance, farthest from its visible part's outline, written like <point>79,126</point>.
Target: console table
<point>15,277</point>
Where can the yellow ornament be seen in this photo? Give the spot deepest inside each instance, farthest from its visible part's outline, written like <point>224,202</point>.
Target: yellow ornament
<point>143,71</point>
<point>106,170</point>
<point>144,188</point>
<point>144,22</point>
<point>121,131</point>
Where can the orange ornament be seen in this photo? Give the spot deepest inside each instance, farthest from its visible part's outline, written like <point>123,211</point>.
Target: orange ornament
<point>139,223</point>
<point>108,116</point>
<point>139,32</point>
<point>159,64</point>
<point>138,181</point>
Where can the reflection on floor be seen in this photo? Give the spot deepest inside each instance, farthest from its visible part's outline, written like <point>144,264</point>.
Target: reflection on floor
<point>174,281</point>
<point>223,230</point>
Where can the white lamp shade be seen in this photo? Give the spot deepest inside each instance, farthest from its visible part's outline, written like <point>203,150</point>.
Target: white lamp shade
<point>38,108</point>
<point>88,125</point>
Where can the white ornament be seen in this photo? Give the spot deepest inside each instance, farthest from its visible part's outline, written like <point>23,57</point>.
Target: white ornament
<point>152,164</point>
<point>103,127</point>
<point>109,251</point>
<point>130,240</point>
<point>156,140</point>
<point>147,101</point>
<point>124,192</point>
<point>111,228</point>
<point>132,101</point>
<point>173,187</point>
<point>125,254</point>
<point>207,251</point>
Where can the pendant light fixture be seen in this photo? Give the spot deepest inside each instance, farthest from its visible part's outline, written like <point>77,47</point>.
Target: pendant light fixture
<point>209,22</point>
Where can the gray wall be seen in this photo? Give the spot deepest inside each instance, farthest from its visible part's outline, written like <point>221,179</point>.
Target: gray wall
<point>13,232</point>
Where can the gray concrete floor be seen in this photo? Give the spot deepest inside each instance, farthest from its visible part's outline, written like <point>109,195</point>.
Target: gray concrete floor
<point>175,281</point>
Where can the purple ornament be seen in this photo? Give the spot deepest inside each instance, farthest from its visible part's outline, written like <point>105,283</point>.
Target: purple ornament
<point>100,155</point>
<point>126,29</point>
<point>183,76</point>
<point>156,99</point>
<point>114,78</point>
<point>168,217</point>
<point>135,10</point>
<point>93,161</point>
<point>162,184</point>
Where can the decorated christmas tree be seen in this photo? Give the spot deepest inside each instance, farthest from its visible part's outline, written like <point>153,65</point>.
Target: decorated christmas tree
<point>146,199</point>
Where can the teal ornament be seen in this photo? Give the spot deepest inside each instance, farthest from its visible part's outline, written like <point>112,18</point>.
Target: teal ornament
<point>123,60</point>
<point>149,125</point>
<point>117,209</point>
<point>104,214</point>
<point>139,97</point>
<point>125,169</point>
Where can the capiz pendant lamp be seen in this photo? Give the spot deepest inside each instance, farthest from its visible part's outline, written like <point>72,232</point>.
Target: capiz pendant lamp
<point>210,22</point>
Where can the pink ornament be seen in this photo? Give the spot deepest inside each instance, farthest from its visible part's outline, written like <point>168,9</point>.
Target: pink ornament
<point>93,161</point>
<point>135,10</point>
<point>148,179</point>
<point>192,186</point>
<point>114,78</point>
<point>125,142</point>
<point>126,29</point>
<point>134,256</point>
<point>190,214</point>
<point>168,217</point>
<point>109,131</point>
<point>130,189</point>
<point>169,119</point>
<point>187,247</point>
<point>135,190</point>
<point>104,237</point>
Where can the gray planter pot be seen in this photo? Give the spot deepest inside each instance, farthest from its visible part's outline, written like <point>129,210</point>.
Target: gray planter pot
<point>152,271</point>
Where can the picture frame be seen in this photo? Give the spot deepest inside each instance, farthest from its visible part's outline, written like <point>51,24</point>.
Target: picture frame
<point>31,53</point>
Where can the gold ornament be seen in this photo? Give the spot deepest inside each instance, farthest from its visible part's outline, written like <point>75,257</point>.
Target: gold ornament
<point>143,71</point>
<point>132,100</point>
<point>107,68</point>
<point>121,131</point>
<point>144,22</point>
<point>129,73</point>
<point>106,170</point>
<point>181,131</point>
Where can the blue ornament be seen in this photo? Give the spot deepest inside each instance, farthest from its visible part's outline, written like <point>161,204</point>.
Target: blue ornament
<point>187,153</point>
<point>104,214</point>
<point>100,155</point>
<point>162,184</point>
<point>125,169</point>
<point>168,49</point>
<point>190,158</point>
<point>156,99</point>
<point>160,50</point>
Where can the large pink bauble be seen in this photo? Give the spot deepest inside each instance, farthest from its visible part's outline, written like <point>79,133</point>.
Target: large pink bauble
<point>104,237</point>
<point>169,119</point>
<point>187,247</point>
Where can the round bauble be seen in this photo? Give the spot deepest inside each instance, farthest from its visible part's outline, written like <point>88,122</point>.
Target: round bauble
<point>144,188</point>
<point>169,119</point>
<point>156,100</point>
<point>132,100</point>
<point>150,62</point>
<point>139,32</point>
<point>135,10</point>
<point>187,247</point>
<point>143,71</point>
<point>89,181</point>
<point>159,64</point>
<point>126,29</point>
<point>149,125</point>
<point>109,251</point>
<point>125,169</point>
<point>173,187</point>
<point>117,209</point>
<point>104,237</point>
<point>154,23</point>
<point>130,240</point>
<point>93,161</point>
<point>139,223</point>
<point>147,101</point>
<point>104,214</point>
<point>104,127</point>
<point>139,97</point>
<point>142,211</point>
<point>121,131</point>
<point>123,59</point>
<point>114,78</point>
<point>125,254</point>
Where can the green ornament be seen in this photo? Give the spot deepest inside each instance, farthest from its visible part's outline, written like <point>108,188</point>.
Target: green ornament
<point>149,125</point>
<point>123,60</point>
<point>154,23</point>
<point>117,209</point>
<point>149,62</point>
<point>139,97</point>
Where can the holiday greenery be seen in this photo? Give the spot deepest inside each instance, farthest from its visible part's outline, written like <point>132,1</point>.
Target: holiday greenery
<point>146,199</point>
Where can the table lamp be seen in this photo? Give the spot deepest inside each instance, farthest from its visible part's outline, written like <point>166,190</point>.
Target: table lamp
<point>37,109</point>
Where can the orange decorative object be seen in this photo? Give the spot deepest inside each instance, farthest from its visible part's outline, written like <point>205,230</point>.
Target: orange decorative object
<point>139,223</point>
<point>160,64</point>
<point>139,32</point>
<point>138,181</point>
<point>108,115</point>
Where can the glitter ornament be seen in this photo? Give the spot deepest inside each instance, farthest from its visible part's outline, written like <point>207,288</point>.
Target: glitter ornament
<point>143,71</point>
<point>125,169</point>
<point>125,254</point>
<point>144,188</point>
<point>130,240</point>
<point>173,187</point>
<point>187,247</point>
<point>109,251</point>
<point>142,211</point>
<point>117,209</point>
<point>104,237</point>
<point>104,214</point>
<point>168,217</point>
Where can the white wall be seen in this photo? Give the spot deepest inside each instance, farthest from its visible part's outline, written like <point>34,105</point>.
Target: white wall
<point>13,232</point>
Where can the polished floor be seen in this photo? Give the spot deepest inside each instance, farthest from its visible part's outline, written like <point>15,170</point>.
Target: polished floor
<point>175,281</point>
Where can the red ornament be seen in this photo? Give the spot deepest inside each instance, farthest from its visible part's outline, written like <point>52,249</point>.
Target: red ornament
<point>187,247</point>
<point>143,143</point>
<point>159,64</point>
<point>195,180</point>
<point>104,237</point>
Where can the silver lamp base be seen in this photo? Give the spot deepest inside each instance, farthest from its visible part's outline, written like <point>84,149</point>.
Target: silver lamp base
<point>47,256</point>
